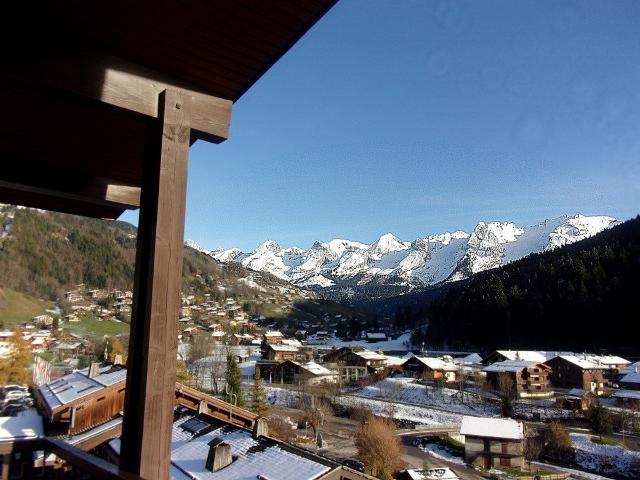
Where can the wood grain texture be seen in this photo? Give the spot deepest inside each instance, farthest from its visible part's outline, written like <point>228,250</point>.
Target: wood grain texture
<point>122,84</point>
<point>150,391</point>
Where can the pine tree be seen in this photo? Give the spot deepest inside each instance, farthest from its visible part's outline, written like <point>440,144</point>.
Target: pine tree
<point>232,393</point>
<point>258,398</point>
<point>600,420</point>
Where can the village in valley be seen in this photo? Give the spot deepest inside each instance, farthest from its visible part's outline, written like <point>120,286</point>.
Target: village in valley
<point>553,414</point>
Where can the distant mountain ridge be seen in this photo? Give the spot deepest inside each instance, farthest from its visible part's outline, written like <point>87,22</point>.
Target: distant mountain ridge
<point>347,269</point>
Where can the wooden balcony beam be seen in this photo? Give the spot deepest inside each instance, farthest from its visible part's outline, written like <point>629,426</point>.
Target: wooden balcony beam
<point>122,84</point>
<point>150,386</point>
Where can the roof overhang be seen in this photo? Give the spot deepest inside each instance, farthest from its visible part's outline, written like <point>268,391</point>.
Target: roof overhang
<point>83,80</point>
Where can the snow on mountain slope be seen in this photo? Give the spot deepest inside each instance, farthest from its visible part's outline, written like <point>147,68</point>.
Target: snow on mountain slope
<point>427,261</point>
<point>195,245</point>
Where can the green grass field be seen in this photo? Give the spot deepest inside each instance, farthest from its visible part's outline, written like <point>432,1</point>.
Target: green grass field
<point>17,308</point>
<point>91,327</point>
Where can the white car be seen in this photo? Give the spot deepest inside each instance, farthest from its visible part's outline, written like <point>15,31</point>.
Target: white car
<point>12,395</point>
<point>12,386</point>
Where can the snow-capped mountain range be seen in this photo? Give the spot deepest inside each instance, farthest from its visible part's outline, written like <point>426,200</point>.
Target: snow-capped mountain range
<point>348,265</point>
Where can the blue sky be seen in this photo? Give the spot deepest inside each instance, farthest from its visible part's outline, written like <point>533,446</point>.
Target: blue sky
<point>418,117</point>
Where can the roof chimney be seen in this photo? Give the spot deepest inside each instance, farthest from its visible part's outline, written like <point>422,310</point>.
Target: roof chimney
<point>94,369</point>
<point>219,455</point>
<point>260,428</point>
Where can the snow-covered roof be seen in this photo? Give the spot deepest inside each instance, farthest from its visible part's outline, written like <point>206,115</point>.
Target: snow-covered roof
<point>633,377</point>
<point>396,361</point>
<point>634,367</point>
<point>78,384</point>
<point>610,359</point>
<point>438,364</point>
<point>376,335</point>
<point>505,428</point>
<point>314,368</point>
<point>26,424</point>
<point>218,334</point>
<point>291,342</point>
<point>252,457</point>
<point>469,359</point>
<point>509,366</point>
<point>68,345</point>
<point>583,361</point>
<point>273,333</point>
<point>626,393</point>
<point>524,355</point>
<point>440,473</point>
<point>577,392</point>
<point>369,355</point>
<point>283,348</point>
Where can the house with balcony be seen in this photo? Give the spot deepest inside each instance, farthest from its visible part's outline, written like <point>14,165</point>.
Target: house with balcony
<point>354,363</point>
<point>530,379</point>
<point>577,371</point>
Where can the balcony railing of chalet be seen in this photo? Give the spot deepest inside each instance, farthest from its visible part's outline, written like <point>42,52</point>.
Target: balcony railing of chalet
<point>77,465</point>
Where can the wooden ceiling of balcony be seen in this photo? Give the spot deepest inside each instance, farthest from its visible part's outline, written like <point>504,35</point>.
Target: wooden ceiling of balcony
<point>74,137</point>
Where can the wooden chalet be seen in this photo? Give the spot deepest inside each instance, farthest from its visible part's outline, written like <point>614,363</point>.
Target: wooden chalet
<point>297,373</point>
<point>280,353</point>
<point>272,337</point>
<point>428,368</point>
<point>530,379</point>
<point>102,101</point>
<point>577,371</point>
<point>354,363</point>
<point>83,399</point>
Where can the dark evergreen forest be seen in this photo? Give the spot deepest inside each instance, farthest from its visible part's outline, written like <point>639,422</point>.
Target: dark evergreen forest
<point>581,297</point>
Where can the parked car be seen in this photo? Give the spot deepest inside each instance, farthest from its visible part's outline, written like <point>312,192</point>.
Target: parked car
<point>13,386</point>
<point>12,395</point>
<point>355,464</point>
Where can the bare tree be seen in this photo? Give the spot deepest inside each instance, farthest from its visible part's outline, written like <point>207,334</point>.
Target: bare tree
<point>461,377</point>
<point>379,447</point>
<point>533,445</point>
<point>391,390</point>
<point>506,390</point>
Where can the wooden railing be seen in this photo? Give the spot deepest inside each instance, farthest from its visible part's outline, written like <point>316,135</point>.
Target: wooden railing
<point>78,464</point>
<point>203,403</point>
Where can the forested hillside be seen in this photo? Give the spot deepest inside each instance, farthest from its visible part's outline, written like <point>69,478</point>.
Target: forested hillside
<point>46,253</point>
<point>584,296</point>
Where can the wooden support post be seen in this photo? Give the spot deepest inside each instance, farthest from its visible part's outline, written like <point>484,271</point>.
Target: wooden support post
<point>150,391</point>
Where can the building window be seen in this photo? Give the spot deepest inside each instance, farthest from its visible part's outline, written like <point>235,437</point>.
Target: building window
<point>505,447</point>
<point>505,462</point>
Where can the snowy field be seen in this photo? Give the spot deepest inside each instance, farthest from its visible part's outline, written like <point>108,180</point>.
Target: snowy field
<point>403,342</point>
<point>410,413</point>
<point>408,391</point>
<point>438,452</point>
<point>607,459</point>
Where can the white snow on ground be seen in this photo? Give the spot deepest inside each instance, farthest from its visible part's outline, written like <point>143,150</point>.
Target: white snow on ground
<point>608,459</point>
<point>575,473</point>
<point>440,453</point>
<point>407,390</point>
<point>399,344</point>
<point>411,413</point>
<point>541,410</point>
